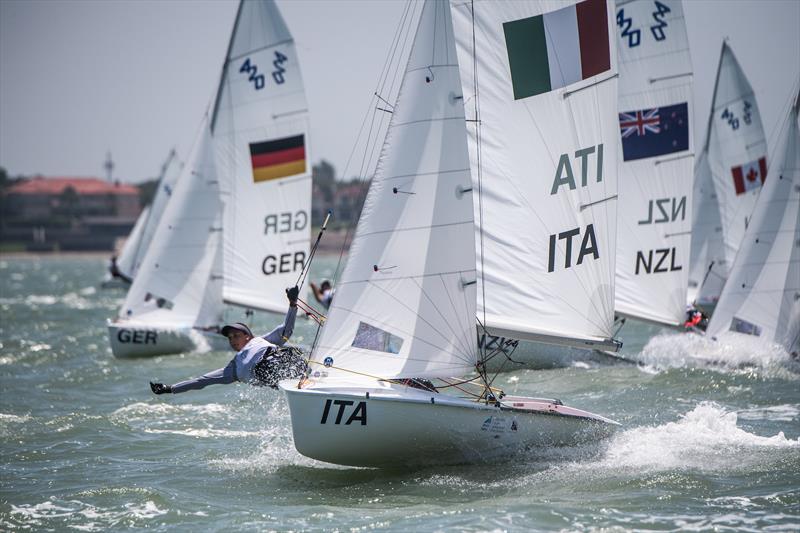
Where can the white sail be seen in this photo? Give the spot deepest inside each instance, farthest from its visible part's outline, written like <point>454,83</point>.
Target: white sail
<point>133,244</point>
<point>405,304</point>
<point>706,232</point>
<point>543,154</point>
<point>260,130</point>
<point>736,152</point>
<point>762,294</point>
<point>176,276</point>
<point>656,161</point>
<point>170,172</point>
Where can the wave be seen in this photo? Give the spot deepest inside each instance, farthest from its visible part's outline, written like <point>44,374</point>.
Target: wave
<point>706,438</point>
<point>670,350</point>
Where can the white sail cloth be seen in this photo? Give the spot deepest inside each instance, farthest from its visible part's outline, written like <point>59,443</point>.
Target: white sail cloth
<point>177,284</point>
<point>260,130</point>
<point>405,304</point>
<point>762,295</point>
<point>543,156</point>
<point>735,153</point>
<point>130,250</point>
<point>656,161</point>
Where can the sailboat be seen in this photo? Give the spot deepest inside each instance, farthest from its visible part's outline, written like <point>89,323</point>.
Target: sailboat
<point>258,146</point>
<point>176,297</point>
<point>762,295</point>
<point>133,251</point>
<point>657,159</point>
<point>405,308</point>
<point>729,174</point>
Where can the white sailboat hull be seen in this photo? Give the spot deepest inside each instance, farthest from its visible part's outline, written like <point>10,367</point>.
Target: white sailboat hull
<point>385,427</point>
<point>135,339</point>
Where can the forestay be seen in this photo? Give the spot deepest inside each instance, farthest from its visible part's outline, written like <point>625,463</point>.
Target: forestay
<point>540,90</point>
<point>260,130</point>
<point>656,165</point>
<point>736,154</point>
<point>405,304</point>
<point>762,295</point>
<point>178,284</point>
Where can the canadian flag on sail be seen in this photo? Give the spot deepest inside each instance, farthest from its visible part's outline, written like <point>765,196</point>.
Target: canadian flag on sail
<point>750,175</point>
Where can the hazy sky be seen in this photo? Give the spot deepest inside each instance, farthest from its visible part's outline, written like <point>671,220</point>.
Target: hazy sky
<point>79,78</point>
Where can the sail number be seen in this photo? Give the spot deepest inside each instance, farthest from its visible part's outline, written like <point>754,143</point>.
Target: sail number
<point>258,80</point>
<point>634,36</point>
<point>357,413</point>
<point>733,120</point>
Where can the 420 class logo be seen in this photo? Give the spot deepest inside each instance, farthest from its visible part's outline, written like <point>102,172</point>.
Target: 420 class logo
<point>258,80</point>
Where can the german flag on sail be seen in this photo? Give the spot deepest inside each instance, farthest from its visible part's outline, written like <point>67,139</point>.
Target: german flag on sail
<point>278,158</point>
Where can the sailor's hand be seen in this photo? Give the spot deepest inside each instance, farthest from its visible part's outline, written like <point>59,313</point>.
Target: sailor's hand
<point>293,293</point>
<point>160,388</point>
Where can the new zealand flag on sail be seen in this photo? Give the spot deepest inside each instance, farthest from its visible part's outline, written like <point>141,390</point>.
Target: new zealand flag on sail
<point>653,132</point>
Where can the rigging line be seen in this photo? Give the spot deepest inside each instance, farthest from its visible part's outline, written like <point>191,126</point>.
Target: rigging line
<point>458,356</point>
<point>479,162</point>
<point>478,154</point>
<point>456,335</point>
<point>426,121</point>
<point>368,162</point>
<point>381,82</point>
<point>435,27</point>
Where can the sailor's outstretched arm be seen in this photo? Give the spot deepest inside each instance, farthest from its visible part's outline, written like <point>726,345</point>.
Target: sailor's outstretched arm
<point>221,376</point>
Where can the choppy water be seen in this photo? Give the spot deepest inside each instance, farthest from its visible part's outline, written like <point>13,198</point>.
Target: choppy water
<point>711,437</point>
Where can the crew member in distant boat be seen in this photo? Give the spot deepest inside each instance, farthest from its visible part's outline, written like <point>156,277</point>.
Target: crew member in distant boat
<point>258,361</point>
<point>115,271</point>
<point>695,319</point>
<point>323,293</point>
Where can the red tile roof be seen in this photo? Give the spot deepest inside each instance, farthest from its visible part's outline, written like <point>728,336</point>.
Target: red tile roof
<point>82,186</point>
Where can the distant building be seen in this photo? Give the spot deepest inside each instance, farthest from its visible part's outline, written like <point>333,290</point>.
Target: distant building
<point>41,198</point>
<point>68,213</point>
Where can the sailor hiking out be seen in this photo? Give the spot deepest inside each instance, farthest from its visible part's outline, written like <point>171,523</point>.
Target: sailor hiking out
<point>258,361</point>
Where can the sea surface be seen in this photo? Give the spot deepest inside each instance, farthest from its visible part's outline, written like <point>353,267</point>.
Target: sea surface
<point>710,438</point>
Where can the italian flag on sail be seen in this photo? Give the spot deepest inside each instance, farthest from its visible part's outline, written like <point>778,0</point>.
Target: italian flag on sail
<point>558,48</point>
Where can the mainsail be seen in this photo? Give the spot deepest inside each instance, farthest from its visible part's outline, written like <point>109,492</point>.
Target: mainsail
<point>730,171</point>
<point>405,304</point>
<point>762,294</point>
<point>177,284</point>
<point>260,127</point>
<point>540,90</point>
<point>656,164</point>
